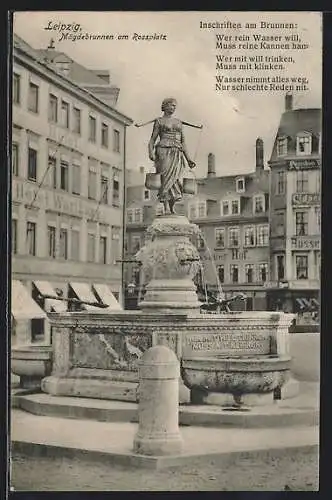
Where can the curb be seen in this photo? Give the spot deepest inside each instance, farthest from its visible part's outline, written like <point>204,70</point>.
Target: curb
<point>131,459</point>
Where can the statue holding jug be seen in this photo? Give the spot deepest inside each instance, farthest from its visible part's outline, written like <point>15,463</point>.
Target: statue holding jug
<point>167,149</point>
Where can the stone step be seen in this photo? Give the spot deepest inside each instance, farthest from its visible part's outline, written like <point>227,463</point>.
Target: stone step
<point>276,415</point>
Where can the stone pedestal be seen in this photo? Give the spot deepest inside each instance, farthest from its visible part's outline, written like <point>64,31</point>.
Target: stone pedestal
<point>158,430</point>
<point>169,263</point>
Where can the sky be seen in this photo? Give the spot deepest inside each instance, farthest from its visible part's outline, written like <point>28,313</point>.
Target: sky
<point>183,66</point>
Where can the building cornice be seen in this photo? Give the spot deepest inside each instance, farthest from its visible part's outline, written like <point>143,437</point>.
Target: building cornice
<point>47,72</point>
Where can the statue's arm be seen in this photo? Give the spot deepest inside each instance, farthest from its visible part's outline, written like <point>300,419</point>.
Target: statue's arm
<point>152,141</point>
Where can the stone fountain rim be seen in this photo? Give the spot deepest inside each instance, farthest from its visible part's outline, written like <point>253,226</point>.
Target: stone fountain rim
<point>242,364</point>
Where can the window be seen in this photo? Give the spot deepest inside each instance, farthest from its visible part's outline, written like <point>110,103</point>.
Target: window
<point>233,237</point>
<point>221,274</point>
<point>116,141</point>
<point>104,135</point>
<point>76,120</point>
<point>92,129</point>
<point>235,207</point>
<point>201,209</point>
<point>16,88</point>
<point>279,224</point>
<point>220,238</point>
<point>281,183</point>
<point>280,267</point>
<point>259,204</point>
<point>317,218</point>
<point>92,187</point>
<point>192,211</point>
<point>33,97</point>
<point>135,275</point>
<point>51,237</point>
<point>135,244</point>
<point>138,215</point>
<point>249,269</point>
<point>134,215</point>
<point>200,241</point>
<point>14,236</point>
<point>301,267</point>
<point>63,254</point>
<point>76,186</point>
<point>303,144</point>
<point>262,235</point>
<point>146,194</point>
<point>52,171</point>
<point>53,108</point>
<point>301,223</point>
<point>318,181</point>
<point>15,158</point>
<point>225,208</point>
<point>31,238</point>
<point>64,175</point>
<point>302,181</point>
<point>65,114</point>
<point>240,185</point>
<point>234,273</point>
<point>32,165</point>
<point>75,245</point>
<point>249,236</point>
<point>91,247</point>
<point>263,269</point>
<point>104,189</point>
<point>102,249</point>
<point>282,146</point>
<point>115,188</point>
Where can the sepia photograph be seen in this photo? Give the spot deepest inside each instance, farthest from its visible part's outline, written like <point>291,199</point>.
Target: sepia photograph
<point>165,250</point>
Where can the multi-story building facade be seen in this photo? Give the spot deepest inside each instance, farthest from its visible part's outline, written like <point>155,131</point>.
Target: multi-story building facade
<point>295,211</point>
<point>232,213</point>
<point>68,145</point>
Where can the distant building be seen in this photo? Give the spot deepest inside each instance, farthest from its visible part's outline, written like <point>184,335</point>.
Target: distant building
<point>232,213</point>
<point>295,211</point>
<point>68,143</point>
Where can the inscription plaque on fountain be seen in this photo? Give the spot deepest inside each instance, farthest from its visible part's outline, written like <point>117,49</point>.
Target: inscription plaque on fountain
<point>226,344</point>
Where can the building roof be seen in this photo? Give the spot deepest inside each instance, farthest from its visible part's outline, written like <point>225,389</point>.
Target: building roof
<point>297,120</point>
<point>218,187</point>
<point>37,56</point>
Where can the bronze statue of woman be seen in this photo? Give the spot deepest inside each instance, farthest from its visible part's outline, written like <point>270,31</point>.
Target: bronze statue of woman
<point>169,154</point>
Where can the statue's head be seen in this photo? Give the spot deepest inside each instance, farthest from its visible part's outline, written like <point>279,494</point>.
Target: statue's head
<point>169,104</point>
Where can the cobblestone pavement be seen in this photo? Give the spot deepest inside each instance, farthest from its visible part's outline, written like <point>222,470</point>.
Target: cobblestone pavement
<point>297,471</point>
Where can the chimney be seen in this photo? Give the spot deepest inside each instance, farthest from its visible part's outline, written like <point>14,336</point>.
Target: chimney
<point>259,154</point>
<point>142,170</point>
<point>288,102</point>
<point>211,165</point>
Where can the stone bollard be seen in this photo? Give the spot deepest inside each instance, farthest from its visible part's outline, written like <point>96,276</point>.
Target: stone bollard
<point>158,409</point>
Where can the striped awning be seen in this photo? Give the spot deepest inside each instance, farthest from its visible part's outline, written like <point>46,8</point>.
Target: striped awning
<point>45,288</point>
<point>84,292</point>
<point>301,303</point>
<point>107,297</point>
<point>22,304</point>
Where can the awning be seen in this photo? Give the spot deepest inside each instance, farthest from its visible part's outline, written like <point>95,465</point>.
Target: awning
<point>23,306</point>
<point>316,303</point>
<point>307,303</point>
<point>46,288</point>
<point>107,297</point>
<point>84,292</point>
<point>301,303</point>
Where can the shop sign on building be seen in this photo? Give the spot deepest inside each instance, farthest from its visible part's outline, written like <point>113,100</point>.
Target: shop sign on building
<point>305,243</point>
<point>307,164</point>
<point>306,199</point>
<point>23,192</point>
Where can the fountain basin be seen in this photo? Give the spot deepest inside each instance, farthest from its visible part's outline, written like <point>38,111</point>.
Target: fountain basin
<point>31,363</point>
<point>236,376</point>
